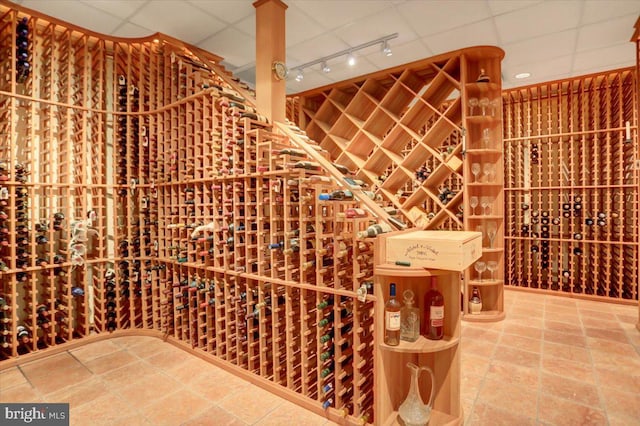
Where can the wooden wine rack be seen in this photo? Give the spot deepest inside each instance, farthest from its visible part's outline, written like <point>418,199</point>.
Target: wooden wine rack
<point>391,126</point>
<point>636,39</point>
<point>572,186</point>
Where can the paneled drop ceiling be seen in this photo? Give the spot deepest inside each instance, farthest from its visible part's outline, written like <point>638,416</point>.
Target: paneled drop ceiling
<point>550,39</point>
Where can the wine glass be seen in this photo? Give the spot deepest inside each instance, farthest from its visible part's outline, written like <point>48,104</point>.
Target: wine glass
<point>495,106</point>
<point>492,266</point>
<point>475,169</point>
<point>473,102</point>
<point>473,202</point>
<point>492,229</point>
<point>486,171</point>
<point>480,266</point>
<point>486,136</point>
<point>484,103</point>
<point>485,202</point>
<point>480,229</point>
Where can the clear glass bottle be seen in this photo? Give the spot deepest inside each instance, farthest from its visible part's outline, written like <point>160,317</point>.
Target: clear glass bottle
<point>409,318</point>
<point>392,318</point>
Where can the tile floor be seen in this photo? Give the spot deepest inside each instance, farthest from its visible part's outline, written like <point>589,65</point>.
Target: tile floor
<point>553,361</point>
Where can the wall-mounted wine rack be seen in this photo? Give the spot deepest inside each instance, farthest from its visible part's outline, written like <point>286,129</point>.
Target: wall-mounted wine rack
<point>572,188</point>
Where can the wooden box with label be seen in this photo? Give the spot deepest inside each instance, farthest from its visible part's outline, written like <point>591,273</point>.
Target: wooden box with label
<point>448,250</point>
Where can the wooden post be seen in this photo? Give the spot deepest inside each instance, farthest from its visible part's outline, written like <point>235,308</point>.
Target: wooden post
<point>270,47</point>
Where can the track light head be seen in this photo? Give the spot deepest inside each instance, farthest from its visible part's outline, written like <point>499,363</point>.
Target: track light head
<point>351,59</point>
<point>386,50</point>
<point>299,76</point>
<point>325,68</point>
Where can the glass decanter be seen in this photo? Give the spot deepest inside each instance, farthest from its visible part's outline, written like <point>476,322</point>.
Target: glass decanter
<point>412,410</point>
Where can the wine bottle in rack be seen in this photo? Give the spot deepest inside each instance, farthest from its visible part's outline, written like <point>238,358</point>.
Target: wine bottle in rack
<point>433,323</point>
<point>475,301</point>
<point>392,319</point>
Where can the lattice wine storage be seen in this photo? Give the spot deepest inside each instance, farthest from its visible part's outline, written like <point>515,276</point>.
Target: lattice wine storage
<point>571,186</point>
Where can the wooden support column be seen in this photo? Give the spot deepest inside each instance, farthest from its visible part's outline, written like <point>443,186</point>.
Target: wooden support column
<point>270,47</point>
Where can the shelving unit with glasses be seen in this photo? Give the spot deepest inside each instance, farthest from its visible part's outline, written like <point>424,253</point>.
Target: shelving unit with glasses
<point>572,186</point>
<point>401,132</point>
<point>483,175</point>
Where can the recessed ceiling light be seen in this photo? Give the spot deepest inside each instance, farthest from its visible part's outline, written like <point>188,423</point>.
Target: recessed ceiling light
<point>523,75</point>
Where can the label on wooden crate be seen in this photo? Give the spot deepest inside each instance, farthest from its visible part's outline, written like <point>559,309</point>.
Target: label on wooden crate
<point>448,250</point>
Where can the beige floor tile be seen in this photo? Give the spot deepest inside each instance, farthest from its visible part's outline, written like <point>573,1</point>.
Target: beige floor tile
<point>58,379</point>
<point>568,352</point>
<point>575,371</point>
<point>611,378</point>
<point>20,393</point>
<point>145,391</point>
<point>565,338</point>
<point>178,407</point>
<point>472,364</point>
<point>563,327</point>
<point>215,415</point>
<point>78,394</point>
<point>517,400</point>
<point>519,342</point>
<point>123,376</point>
<point>612,335</point>
<point>516,375</point>
<point>169,359</point>
<point>618,348</point>
<point>469,385</point>
<point>575,391</point>
<point>209,386</point>
<point>478,347</point>
<point>288,413</point>
<point>523,330</point>
<point>94,350</point>
<point>12,377</point>
<point>559,412</point>
<point>149,348</point>
<point>622,403</point>
<point>260,401</point>
<point>103,411</point>
<point>61,361</point>
<point>629,365</point>
<point>494,415</point>
<point>622,420</point>
<point>110,362</point>
<point>479,334</point>
<point>190,370</point>
<point>130,341</point>
<point>516,356</point>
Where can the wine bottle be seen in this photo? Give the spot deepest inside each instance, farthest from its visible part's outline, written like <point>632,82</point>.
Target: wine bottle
<point>409,318</point>
<point>373,230</point>
<point>475,301</point>
<point>392,319</point>
<point>339,195</point>
<point>433,327</point>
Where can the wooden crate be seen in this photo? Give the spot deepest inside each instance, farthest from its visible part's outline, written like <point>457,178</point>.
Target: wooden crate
<point>448,250</point>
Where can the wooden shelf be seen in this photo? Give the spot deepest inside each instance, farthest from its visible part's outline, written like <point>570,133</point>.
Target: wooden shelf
<point>485,316</point>
<point>437,418</point>
<point>423,345</point>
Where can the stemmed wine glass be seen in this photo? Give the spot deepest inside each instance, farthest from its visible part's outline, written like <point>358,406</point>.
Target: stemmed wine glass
<point>492,266</point>
<point>486,171</point>
<point>492,229</point>
<point>495,106</point>
<point>484,103</point>
<point>473,102</point>
<point>480,266</point>
<point>485,138</point>
<point>485,202</point>
<point>475,169</point>
<point>480,229</point>
<point>473,202</point>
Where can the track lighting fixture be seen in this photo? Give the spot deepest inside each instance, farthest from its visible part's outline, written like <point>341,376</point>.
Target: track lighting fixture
<point>351,59</point>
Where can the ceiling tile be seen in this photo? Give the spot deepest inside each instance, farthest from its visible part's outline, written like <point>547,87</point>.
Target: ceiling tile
<point>300,27</point>
<point>383,23</point>
<point>598,10</point>
<point>540,70</point>
<point>77,13</point>
<point>479,33</point>
<point>237,48</point>
<point>247,25</point>
<point>605,33</point>
<point>120,8</point>
<point>229,11</point>
<point>540,49</point>
<point>539,19</point>
<point>431,17</point>
<point>177,19</point>
<point>605,57</point>
<point>128,29</point>
<point>323,45</point>
<point>335,13</point>
<point>498,7</point>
